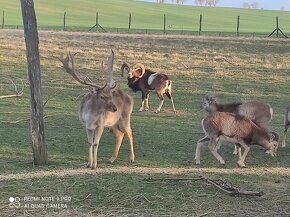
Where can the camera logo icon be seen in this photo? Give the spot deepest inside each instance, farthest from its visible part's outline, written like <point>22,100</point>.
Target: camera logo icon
<point>14,202</point>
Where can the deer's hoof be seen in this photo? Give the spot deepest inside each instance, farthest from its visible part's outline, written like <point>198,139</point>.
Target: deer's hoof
<point>241,164</point>
<point>111,160</point>
<point>197,162</point>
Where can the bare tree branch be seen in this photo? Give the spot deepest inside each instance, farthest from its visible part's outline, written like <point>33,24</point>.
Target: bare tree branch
<point>18,93</point>
<point>221,185</point>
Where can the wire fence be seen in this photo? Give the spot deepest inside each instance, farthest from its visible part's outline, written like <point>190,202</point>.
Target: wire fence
<point>97,27</point>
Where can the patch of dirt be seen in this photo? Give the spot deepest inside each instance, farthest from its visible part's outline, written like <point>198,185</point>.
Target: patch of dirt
<point>146,170</point>
<point>169,112</point>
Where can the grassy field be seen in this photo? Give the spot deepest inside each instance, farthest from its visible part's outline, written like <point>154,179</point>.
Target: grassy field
<point>235,69</point>
<point>113,15</point>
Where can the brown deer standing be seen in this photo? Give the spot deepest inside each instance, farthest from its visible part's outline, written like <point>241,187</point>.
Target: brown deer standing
<point>103,107</point>
<point>238,129</point>
<point>257,111</point>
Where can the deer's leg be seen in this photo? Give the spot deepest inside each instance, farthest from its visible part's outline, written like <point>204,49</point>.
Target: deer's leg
<point>129,135</point>
<point>119,137</point>
<point>169,95</point>
<point>200,143</point>
<point>235,152</point>
<point>218,144</point>
<point>147,102</point>
<point>90,135</point>
<point>284,137</point>
<point>143,101</point>
<point>242,157</point>
<point>239,152</point>
<point>213,148</point>
<point>161,101</point>
<point>98,134</point>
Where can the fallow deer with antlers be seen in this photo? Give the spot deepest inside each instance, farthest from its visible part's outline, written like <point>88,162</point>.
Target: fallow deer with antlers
<point>103,107</point>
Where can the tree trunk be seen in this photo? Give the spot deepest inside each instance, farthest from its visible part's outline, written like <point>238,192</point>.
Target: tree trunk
<point>36,107</point>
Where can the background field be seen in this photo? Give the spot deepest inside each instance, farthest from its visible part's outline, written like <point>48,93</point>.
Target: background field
<point>113,16</point>
<point>236,69</point>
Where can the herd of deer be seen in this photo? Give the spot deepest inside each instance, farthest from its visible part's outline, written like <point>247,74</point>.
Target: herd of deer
<point>108,107</point>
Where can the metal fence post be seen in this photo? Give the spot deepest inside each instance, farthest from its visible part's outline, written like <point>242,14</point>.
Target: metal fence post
<point>64,16</point>
<point>200,22</point>
<point>238,26</point>
<point>164,24</point>
<point>3,19</point>
<point>129,25</point>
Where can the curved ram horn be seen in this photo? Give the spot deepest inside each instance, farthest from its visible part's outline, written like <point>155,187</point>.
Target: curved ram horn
<point>124,68</point>
<point>139,65</point>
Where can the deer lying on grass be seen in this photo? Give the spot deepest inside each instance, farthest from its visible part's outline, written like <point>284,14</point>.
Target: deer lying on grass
<point>238,129</point>
<point>257,111</point>
<point>103,107</point>
<point>144,80</point>
<point>286,125</point>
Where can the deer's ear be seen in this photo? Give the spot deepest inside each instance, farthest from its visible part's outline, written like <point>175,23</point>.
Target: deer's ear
<point>214,99</point>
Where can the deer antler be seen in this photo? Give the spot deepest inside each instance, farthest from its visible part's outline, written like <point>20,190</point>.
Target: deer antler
<point>108,70</point>
<point>68,65</point>
<point>17,92</point>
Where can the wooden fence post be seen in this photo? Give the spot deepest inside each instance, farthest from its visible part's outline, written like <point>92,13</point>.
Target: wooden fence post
<point>164,24</point>
<point>129,25</point>
<point>238,26</point>
<point>200,22</point>
<point>33,64</point>
<point>64,16</point>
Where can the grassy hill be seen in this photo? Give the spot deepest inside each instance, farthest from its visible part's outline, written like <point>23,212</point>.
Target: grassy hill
<point>114,14</point>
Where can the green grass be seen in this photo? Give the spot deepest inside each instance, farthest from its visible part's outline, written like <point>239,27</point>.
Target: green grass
<point>235,69</point>
<point>113,14</point>
<point>93,195</point>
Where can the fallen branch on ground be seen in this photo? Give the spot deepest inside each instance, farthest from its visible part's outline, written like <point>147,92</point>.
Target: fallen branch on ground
<point>83,199</point>
<point>17,92</point>
<point>224,59</point>
<point>24,120</point>
<point>221,185</point>
<point>231,190</point>
<point>197,67</point>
